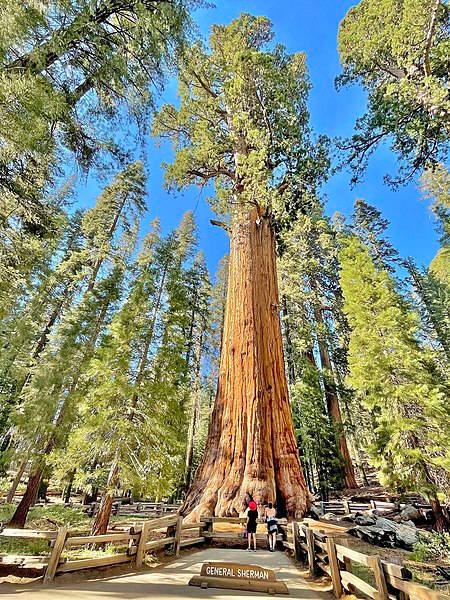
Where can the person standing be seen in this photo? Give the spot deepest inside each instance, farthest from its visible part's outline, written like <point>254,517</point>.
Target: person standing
<point>272,528</point>
<point>252,516</point>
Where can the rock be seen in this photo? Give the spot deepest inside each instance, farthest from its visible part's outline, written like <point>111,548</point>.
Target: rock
<point>329,516</point>
<point>314,513</point>
<point>406,537</point>
<point>365,518</point>
<point>347,518</point>
<point>374,535</point>
<point>410,513</point>
<point>386,533</point>
<point>409,523</point>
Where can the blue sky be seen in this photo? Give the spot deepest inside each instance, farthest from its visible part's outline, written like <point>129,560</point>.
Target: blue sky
<point>310,26</point>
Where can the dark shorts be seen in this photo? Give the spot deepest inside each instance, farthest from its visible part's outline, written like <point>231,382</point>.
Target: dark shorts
<point>251,527</point>
<point>272,526</point>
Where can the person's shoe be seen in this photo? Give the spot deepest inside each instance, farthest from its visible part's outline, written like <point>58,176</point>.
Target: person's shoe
<point>254,549</point>
<point>249,549</point>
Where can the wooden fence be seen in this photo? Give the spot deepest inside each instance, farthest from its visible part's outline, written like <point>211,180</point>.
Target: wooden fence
<point>144,509</point>
<point>137,538</point>
<point>327,553</point>
<point>330,554</point>
<point>343,507</point>
<point>231,536</point>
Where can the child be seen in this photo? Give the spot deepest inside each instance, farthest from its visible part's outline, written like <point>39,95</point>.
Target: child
<point>252,515</point>
<point>272,528</point>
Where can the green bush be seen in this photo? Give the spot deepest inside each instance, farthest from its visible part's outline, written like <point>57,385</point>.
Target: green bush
<point>431,545</point>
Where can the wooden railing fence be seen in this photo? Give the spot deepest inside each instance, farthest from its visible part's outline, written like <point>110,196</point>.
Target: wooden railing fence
<point>341,507</point>
<point>327,553</point>
<point>137,538</point>
<point>330,554</point>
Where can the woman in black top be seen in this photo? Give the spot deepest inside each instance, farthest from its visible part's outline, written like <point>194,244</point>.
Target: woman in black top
<point>252,515</point>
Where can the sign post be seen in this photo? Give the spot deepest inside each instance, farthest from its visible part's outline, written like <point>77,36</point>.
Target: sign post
<point>236,576</point>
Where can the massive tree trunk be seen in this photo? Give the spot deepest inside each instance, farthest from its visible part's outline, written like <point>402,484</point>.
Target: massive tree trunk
<point>251,452</point>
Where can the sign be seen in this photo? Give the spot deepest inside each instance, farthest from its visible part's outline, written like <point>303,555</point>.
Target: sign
<point>237,576</point>
<point>237,571</point>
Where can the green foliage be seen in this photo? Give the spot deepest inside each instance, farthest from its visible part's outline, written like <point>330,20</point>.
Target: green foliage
<point>314,328</point>
<point>435,185</point>
<point>242,120</point>
<point>135,388</point>
<point>393,377</point>
<point>431,545</point>
<point>398,51</point>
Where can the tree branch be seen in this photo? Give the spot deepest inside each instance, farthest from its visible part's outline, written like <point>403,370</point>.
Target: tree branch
<point>429,39</point>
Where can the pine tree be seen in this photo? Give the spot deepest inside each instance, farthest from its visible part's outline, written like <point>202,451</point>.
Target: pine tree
<point>312,312</point>
<point>392,374</point>
<point>69,74</point>
<point>370,227</point>
<point>435,185</point>
<point>136,384</point>
<point>110,230</point>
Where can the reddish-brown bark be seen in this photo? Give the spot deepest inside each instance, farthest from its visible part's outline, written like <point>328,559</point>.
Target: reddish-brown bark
<point>101,522</point>
<point>251,452</point>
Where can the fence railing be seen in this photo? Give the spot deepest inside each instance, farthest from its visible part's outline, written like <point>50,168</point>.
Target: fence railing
<point>341,507</point>
<point>327,553</point>
<point>330,554</point>
<point>232,536</point>
<point>137,538</point>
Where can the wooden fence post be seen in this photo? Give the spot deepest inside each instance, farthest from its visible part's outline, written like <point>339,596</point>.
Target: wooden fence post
<point>56,554</point>
<point>207,528</point>
<point>373,504</point>
<point>311,552</point>
<point>347,561</point>
<point>296,536</point>
<point>376,566</point>
<point>140,553</point>
<point>334,567</point>
<point>176,545</point>
<point>346,506</point>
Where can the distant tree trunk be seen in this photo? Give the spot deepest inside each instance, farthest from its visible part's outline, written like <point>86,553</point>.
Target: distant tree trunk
<point>442,523</point>
<point>195,415</point>
<point>251,451</point>
<point>101,522</point>
<point>15,483</point>
<point>333,406</point>
<point>19,517</point>
<point>68,489</point>
<point>289,349</point>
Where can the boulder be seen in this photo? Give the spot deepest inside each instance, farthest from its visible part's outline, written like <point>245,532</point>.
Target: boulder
<point>365,518</point>
<point>314,513</point>
<point>410,513</point>
<point>386,533</point>
<point>329,516</point>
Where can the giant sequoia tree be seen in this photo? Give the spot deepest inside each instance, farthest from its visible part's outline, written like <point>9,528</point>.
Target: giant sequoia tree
<point>242,122</point>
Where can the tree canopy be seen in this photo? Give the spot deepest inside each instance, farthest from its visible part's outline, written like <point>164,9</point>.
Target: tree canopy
<point>398,51</point>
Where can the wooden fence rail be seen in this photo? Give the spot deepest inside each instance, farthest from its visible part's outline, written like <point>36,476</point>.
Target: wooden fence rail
<point>137,538</point>
<point>342,507</point>
<point>331,555</point>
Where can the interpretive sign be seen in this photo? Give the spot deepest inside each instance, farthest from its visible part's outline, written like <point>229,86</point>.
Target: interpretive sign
<point>236,576</point>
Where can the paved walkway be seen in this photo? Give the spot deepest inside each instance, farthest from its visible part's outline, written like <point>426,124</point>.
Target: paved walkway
<point>170,582</point>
